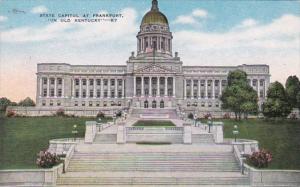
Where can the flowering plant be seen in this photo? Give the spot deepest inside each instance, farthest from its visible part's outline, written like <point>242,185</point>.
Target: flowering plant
<point>260,159</point>
<point>60,112</point>
<point>10,113</point>
<point>47,159</point>
<point>226,116</point>
<point>206,116</point>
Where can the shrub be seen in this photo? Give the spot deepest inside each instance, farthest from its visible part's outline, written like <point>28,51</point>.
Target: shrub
<point>226,116</point>
<point>60,112</point>
<point>119,113</point>
<point>10,113</point>
<point>100,115</point>
<point>47,160</point>
<point>206,116</point>
<point>191,116</point>
<point>260,159</point>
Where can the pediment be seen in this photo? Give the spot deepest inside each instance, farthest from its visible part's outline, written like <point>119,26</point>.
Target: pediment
<point>153,68</point>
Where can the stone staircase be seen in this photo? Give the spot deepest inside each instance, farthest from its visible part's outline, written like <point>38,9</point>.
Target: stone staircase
<point>101,138</point>
<point>202,138</point>
<point>159,112</point>
<point>153,168</point>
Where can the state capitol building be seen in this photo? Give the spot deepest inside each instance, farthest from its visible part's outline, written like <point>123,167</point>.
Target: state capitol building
<point>153,78</point>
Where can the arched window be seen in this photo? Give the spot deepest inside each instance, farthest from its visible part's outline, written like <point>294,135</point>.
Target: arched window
<point>153,104</point>
<point>145,104</point>
<point>162,104</point>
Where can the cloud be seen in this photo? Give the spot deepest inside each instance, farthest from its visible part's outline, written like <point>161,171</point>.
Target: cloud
<point>39,9</point>
<point>3,18</point>
<point>200,13</point>
<point>192,18</point>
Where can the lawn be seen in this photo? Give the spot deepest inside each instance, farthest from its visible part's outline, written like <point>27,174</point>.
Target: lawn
<point>149,123</point>
<point>22,138</point>
<point>282,138</point>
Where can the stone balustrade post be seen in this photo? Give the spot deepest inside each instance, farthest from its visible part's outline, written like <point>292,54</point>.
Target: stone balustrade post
<point>121,133</point>
<point>187,133</point>
<point>90,131</point>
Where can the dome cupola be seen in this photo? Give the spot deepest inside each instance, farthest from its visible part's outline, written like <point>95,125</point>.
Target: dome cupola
<point>154,16</point>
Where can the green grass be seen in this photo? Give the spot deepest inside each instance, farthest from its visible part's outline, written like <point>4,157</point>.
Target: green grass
<point>153,143</point>
<point>145,123</point>
<point>22,138</point>
<point>282,138</point>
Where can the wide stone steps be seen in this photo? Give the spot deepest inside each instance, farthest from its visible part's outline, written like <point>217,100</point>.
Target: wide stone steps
<point>231,181</point>
<point>105,139</point>
<point>202,138</point>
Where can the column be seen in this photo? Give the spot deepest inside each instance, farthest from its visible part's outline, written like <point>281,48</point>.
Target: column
<point>101,88</point>
<point>48,86</point>
<point>80,87</point>
<point>158,88</point>
<point>192,88</point>
<point>206,89</point>
<point>150,86</point>
<point>220,91</point>
<point>174,95</point>
<point>62,87</point>
<point>134,86</point>
<point>55,87</point>
<point>184,90</point>
<point>73,87</point>
<point>108,88</point>
<point>257,87</point>
<point>166,86</point>
<point>41,85</point>
<point>123,88</point>
<point>142,88</point>
<point>213,87</point>
<point>94,88</point>
<point>199,93</point>
<point>116,88</point>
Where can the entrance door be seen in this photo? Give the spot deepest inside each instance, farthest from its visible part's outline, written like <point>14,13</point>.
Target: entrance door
<point>146,104</point>
<point>153,104</point>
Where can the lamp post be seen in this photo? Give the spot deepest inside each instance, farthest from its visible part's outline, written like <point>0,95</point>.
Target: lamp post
<point>114,118</point>
<point>209,123</point>
<point>195,118</point>
<point>74,131</point>
<point>235,132</point>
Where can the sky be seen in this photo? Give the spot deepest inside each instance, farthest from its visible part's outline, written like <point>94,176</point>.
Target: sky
<point>204,33</point>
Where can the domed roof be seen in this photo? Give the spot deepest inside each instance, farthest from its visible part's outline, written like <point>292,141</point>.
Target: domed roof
<point>154,16</point>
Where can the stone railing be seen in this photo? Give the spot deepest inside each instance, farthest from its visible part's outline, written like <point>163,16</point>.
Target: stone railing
<point>154,130</point>
<point>61,146</point>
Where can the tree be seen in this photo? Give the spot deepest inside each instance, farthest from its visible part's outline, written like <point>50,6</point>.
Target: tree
<point>292,87</point>
<point>298,100</point>
<point>277,104</point>
<point>27,102</point>
<point>239,96</point>
<point>4,102</point>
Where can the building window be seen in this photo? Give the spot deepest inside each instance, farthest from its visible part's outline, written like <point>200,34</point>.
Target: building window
<point>76,82</point>
<point>90,103</point>
<point>45,92</point>
<point>120,82</point>
<point>59,81</point>
<point>216,95</point>
<point>51,103</point>
<point>209,94</point>
<point>52,81</point>
<point>98,93</point>
<point>83,93</point>
<point>188,82</point>
<point>76,103</point>
<point>44,80</point>
<point>216,82</point>
<point>254,82</point>
<point>97,103</point>
<point>209,104</point>
<point>59,92</point>
<point>209,82</point>
<point>202,95</point>
<point>119,103</point>
<point>261,82</point>
<point>77,93</point>
<point>195,104</point>
<point>43,103</point>
<point>217,105</point>
<point>98,82</point>
<point>58,103</point>
<point>224,83</point>
<point>112,82</point>
<point>91,82</point>
<point>261,93</point>
<point>105,94</point>
<point>84,82</point>
<point>52,92</point>
<point>202,104</point>
<point>188,104</point>
<point>120,94</point>
<point>195,94</point>
<point>112,103</point>
<point>91,93</point>
<point>83,103</point>
<point>112,94</point>
<point>104,103</point>
<point>105,82</point>
<point>202,82</point>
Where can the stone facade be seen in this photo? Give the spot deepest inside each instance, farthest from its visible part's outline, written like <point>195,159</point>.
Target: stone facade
<point>153,78</point>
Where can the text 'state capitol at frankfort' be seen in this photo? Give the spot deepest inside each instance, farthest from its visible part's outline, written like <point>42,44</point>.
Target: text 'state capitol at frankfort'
<point>153,78</point>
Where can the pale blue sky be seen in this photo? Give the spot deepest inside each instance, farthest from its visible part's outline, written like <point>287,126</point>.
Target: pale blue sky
<point>205,33</point>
